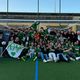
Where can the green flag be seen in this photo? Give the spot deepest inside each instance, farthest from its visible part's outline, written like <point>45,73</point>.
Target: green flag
<point>35,24</point>
<point>14,50</point>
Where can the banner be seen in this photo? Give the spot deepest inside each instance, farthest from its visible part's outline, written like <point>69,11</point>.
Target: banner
<point>14,50</point>
<point>35,25</point>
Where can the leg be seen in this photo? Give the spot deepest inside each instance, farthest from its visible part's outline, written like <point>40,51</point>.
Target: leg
<point>46,56</point>
<point>42,57</point>
<point>50,57</point>
<point>55,57</point>
<point>63,57</point>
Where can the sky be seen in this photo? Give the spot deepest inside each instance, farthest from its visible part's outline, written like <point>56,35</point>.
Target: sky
<point>49,6</point>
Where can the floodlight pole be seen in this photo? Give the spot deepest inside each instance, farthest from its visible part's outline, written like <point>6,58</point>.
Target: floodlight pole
<point>7,10</point>
<point>59,6</point>
<point>60,10</point>
<point>38,11</point>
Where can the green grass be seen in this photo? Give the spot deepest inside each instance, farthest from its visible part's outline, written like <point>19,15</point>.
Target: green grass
<point>16,70</point>
<point>59,71</point>
<point>11,69</point>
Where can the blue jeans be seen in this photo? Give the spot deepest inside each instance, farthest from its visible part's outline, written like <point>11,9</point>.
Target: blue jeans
<point>62,57</point>
<point>43,56</point>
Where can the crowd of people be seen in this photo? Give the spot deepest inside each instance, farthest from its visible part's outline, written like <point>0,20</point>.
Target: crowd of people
<point>57,45</point>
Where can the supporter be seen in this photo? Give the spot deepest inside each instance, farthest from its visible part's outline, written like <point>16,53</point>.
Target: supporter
<point>54,46</point>
<point>52,56</point>
<point>68,51</point>
<point>39,53</point>
<point>76,48</point>
<point>17,41</point>
<point>59,52</point>
<point>31,51</point>
<point>44,53</point>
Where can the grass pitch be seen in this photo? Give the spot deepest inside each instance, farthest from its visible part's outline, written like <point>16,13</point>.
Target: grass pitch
<point>11,69</point>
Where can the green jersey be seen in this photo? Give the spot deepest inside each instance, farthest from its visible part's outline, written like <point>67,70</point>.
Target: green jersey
<point>76,49</point>
<point>20,35</point>
<point>37,51</point>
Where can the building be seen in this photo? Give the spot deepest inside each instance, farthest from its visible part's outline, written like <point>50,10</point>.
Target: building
<point>46,19</point>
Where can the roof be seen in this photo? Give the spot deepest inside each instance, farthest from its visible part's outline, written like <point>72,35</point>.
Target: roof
<point>31,13</point>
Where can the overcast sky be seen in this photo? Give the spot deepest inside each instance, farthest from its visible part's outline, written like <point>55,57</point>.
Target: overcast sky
<point>68,6</point>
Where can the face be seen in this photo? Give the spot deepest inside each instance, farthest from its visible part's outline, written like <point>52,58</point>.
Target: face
<point>62,32</point>
<point>59,45</point>
<point>17,39</point>
<point>70,29</point>
<point>12,38</point>
<point>32,43</point>
<point>38,46</point>
<point>73,33</point>
<point>65,33</point>
<point>77,42</point>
